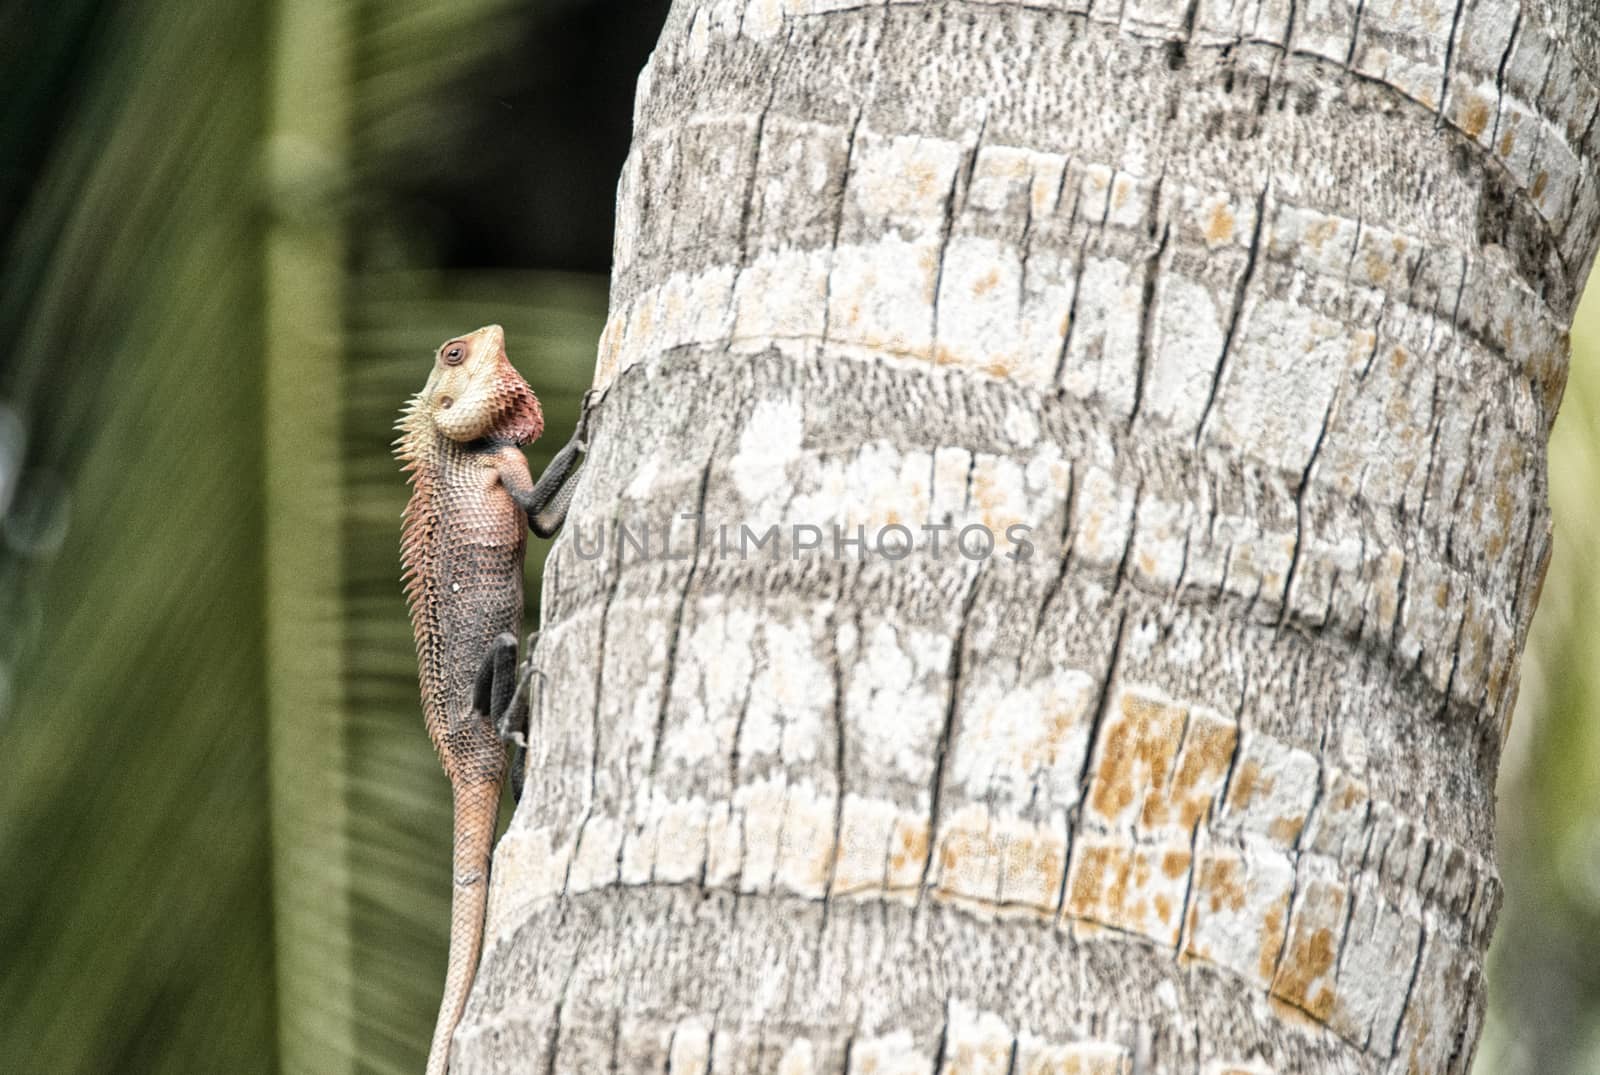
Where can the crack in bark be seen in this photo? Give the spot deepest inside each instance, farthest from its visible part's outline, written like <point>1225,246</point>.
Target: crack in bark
<point>942,747</point>
<point>1411,985</point>
<point>1241,297</point>
<point>960,187</point>
<point>1449,61</point>
<point>1147,316</point>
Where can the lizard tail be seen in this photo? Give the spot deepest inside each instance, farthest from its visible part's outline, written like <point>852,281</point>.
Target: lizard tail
<point>476,804</point>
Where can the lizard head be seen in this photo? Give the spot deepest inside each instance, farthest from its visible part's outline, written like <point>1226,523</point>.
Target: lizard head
<point>475,392</point>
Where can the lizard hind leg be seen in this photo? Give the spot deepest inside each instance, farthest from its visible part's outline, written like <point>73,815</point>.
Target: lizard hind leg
<point>497,680</point>
<point>511,722</point>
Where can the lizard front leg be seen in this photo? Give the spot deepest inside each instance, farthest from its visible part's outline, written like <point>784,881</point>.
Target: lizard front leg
<point>545,502</point>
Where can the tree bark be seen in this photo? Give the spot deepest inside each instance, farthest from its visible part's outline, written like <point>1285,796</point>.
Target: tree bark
<point>1254,313</point>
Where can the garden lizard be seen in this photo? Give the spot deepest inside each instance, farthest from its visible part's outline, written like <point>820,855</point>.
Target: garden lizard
<point>463,536</point>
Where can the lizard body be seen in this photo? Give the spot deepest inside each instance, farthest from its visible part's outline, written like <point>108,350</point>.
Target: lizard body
<point>463,538</point>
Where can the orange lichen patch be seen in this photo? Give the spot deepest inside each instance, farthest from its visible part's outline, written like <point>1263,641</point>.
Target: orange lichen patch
<point>1220,883</point>
<point>1120,192</point>
<point>1220,224</point>
<point>1320,232</point>
<point>1081,1058</point>
<point>1508,140</point>
<point>1030,874</point>
<point>1377,267</point>
<point>1540,181</point>
<point>1208,746</point>
<point>986,283</point>
<point>1476,117</point>
<point>972,1058</point>
<point>923,175</point>
<point>908,851</point>
<point>969,857</point>
<point>1125,886</point>
<point>1247,783</point>
<point>1135,754</point>
<point>1001,367</point>
<point>1304,975</point>
<point>1286,830</point>
<point>1272,925</point>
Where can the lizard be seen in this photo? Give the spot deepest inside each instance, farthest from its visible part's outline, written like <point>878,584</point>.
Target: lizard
<point>464,532</point>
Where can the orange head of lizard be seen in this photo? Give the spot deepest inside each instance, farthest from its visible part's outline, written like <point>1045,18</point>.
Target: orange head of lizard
<point>475,392</point>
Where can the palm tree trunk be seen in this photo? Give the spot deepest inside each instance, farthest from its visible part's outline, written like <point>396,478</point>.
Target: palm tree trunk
<point>1253,315</point>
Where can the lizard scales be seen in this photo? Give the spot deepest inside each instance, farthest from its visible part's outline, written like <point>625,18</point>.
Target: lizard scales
<point>463,537</point>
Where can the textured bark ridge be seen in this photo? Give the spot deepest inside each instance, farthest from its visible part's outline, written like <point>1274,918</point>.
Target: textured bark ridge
<point>1254,311</point>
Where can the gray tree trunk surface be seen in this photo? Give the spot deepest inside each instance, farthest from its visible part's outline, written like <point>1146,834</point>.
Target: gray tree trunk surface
<point>1254,312</point>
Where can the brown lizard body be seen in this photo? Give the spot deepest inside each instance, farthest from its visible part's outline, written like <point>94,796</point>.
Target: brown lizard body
<point>464,534</point>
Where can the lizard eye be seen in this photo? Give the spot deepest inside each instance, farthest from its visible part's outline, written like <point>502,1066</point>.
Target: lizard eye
<point>454,354</point>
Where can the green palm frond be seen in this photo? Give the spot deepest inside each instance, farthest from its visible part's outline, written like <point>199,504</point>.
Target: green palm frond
<point>170,260</point>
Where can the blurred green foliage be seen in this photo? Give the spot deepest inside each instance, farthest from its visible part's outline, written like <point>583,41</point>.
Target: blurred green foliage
<point>137,928</point>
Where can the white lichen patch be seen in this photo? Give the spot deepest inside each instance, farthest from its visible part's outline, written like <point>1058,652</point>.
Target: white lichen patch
<point>713,670</point>
<point>1272,789</point>
<point>1370,997</point>
<point>948,497</point>
<point>1160,541</point>
<point>877,486</point>
<point>680,840</point>
<point>1239,908</point>
<point>770,441</point>
<point>980,289</point>
<point>790,691</point>
<point>1104,518</point>
<point>1015,739</point>
<point>896,1053</point>
<point>1280,383</point>
<point>1187,345</point>
<point>892,707</point>
<point>1104,342</point>
<point>690,1052</point>
<point>999,496</point>
<point>976,1042</point>
<point>781,300</point>
<point>595,863</point>
<point>529,868</point>
<point>880,297</point>
<point>800,1058</point>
